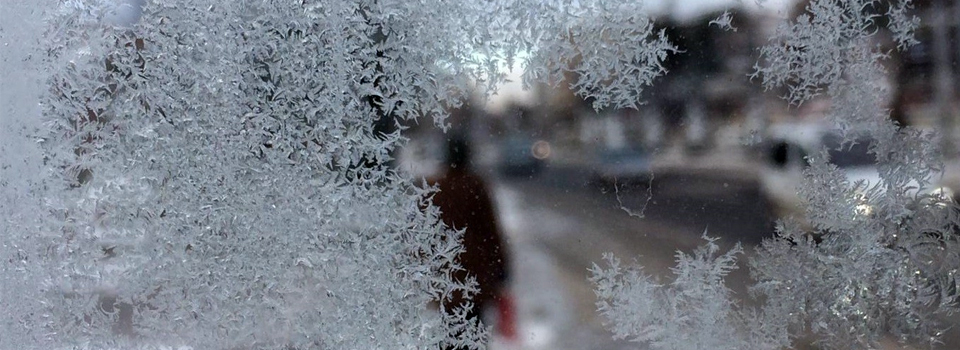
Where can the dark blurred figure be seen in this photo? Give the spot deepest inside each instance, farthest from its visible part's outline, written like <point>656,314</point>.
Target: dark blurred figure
<point>465,203</point>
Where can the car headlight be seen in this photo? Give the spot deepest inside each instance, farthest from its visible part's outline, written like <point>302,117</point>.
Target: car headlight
<point>863,209</point>
<point>943,192</point>
<point>863,206</point>
<point>942,195</point>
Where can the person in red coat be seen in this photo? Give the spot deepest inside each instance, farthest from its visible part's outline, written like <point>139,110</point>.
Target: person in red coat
<point>465,203</point>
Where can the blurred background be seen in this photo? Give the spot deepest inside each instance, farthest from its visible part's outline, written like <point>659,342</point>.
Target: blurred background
<point>708,151</point>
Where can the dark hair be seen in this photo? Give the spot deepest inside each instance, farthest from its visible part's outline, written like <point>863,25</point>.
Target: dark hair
<point>458,152</point>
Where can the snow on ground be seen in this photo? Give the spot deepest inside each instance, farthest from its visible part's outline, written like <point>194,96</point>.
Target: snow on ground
<point>548,315</point>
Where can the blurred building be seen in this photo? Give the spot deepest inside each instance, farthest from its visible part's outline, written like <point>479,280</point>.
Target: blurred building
<point>706,89</point>
<point>707,99</point>
<point>927,74</point>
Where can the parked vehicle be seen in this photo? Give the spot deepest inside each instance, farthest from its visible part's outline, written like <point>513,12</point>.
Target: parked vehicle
<point>786,150</point>
<point>629,166</point>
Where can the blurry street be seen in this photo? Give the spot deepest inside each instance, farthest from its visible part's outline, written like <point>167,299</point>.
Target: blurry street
<point>559,223</point>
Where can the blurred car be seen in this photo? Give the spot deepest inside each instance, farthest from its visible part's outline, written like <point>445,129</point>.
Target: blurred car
<point>786,149</point>
<point>628,166</point>
<point>522,156</point>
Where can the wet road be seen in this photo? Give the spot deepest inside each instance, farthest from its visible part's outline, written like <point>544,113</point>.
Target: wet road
<point>559,223</point>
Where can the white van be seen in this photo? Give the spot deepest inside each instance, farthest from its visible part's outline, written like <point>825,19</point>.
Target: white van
<point>784,158</point>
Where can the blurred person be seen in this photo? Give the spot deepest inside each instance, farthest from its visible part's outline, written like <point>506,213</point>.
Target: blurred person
<point>465,203</point>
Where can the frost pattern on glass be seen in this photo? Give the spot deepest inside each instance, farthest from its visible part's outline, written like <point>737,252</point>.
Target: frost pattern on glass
<point>868,259</point>
<point>693,311</point>
<point>216,171</point>
<point>886,258</point>
<point>219,182</point>
<point>606,51</point>
<point>213,178</point>
<point>724,21</point>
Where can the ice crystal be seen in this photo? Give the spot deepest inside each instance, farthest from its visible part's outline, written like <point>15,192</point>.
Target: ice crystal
<point>868,259</point>
<point>214,174</point>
